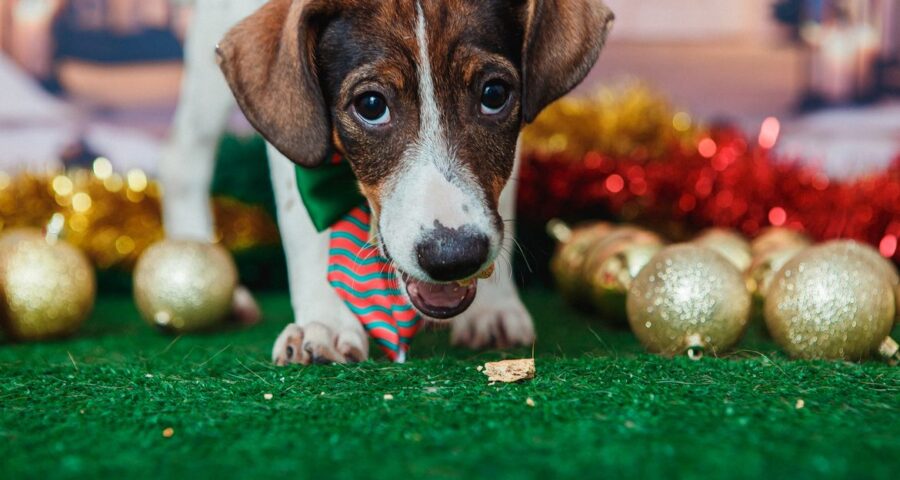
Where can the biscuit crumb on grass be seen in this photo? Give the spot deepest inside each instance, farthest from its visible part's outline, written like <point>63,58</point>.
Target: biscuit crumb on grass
<point>510,371</point>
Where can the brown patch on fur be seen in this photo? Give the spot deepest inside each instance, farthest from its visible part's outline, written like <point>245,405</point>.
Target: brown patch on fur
<point>371,49</point>
<point>336,141</point>
<point>562,42</point>
<point>373,193</point>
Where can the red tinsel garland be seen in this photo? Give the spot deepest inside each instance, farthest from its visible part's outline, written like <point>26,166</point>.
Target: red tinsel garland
<point>728,181</point>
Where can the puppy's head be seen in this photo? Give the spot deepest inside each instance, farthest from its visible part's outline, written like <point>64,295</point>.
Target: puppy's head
<point>425,99</point>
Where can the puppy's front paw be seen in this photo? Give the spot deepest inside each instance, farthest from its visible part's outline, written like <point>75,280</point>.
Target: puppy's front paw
<point>501,322</point>
<point>317,343</point>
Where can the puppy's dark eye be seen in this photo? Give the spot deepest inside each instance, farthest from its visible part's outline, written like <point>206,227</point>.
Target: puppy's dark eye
<point>494,97</point>
<point>372,108</point>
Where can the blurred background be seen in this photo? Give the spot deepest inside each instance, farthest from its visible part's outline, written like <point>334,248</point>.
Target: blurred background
<point>93,84</point>
<point>105,74</point>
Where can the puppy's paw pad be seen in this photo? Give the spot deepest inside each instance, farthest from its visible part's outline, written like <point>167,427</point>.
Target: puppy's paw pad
<point>353,346</point>
<point>503,325</point>
<point>288,346</point>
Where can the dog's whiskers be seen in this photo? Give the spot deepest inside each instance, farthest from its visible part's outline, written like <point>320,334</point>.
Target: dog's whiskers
<point>506,259</point>
<point>521,249</point>
<point>373,250</point>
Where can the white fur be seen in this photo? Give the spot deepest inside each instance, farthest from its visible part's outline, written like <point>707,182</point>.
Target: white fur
<point>187,165</point>
<point>431,186</point>
<point>432,143</point>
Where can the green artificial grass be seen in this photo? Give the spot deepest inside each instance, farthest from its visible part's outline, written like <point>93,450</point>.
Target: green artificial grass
<point>96,406</point>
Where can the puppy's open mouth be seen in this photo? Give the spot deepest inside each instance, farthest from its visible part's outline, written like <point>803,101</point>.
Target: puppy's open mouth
<point>443,300</point>
<point>440,300</point>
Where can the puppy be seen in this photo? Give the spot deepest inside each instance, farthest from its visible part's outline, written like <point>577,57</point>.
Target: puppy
<point>425,99</point>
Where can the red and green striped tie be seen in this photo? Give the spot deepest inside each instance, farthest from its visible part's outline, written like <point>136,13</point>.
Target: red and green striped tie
<point>368,284</point>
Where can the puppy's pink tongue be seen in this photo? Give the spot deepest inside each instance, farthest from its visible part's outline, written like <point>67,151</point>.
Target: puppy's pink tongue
<point>440,300</point>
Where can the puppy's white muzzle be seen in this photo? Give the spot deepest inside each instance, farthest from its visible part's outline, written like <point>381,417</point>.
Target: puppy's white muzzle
<point>438,230</point>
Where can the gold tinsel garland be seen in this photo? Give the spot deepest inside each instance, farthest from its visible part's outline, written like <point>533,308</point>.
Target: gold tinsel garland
<point>629,121</point>
<point>112,217</point>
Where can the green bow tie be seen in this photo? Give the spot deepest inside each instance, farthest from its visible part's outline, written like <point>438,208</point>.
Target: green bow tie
<point>329,192</point>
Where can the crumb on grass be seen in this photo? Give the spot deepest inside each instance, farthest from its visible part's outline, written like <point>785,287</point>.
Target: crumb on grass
<point>510,371</point>
<point>800,404</point>
<point>267,396</point>
<point>529,401</point>
<point>388,396</point>
<point>168,432</point>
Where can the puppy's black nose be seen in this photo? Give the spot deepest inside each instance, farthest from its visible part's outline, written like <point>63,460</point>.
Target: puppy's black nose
<point>448,254</point>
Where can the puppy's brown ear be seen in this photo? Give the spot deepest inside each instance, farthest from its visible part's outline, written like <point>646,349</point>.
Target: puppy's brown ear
<point>563,39</point>
<point>269,62</point>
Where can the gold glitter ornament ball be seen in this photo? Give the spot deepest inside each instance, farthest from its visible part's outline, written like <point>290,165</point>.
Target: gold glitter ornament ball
<point>871,256</point>
<point>728,243</point>
<point>613,263</point>
<point>688,299</point>
<point>829,302</point>
<point>184,286</point>
<point>766,266</point>
<point>777,238</point>
<point>568,262</point>
<point>47,287</point>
